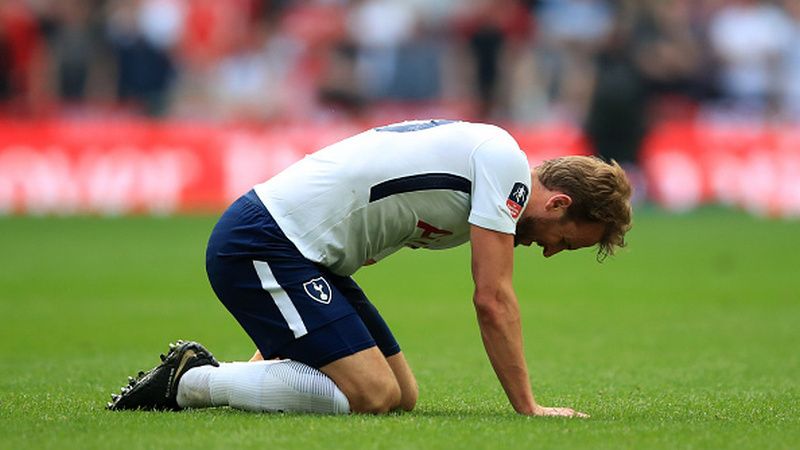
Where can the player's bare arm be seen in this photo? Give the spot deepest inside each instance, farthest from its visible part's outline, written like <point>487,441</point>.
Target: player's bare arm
<point>499,319</point>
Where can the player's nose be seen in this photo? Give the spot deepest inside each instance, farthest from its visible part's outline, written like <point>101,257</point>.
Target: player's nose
<point>549,251</point>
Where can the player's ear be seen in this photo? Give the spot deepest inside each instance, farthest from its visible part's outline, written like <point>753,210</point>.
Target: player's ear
<point>558,202</point>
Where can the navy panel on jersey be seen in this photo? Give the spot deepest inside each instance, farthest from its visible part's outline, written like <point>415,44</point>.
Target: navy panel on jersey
<point>290,306</point>
<point>421,182</point>
<point>414,125</point>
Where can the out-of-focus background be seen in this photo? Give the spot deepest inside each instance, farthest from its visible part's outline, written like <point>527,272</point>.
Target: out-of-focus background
<point>140,109</point>
<point>158,106</point>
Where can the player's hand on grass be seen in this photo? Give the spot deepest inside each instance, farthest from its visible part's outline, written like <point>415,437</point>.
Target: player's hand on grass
<point>558,412</point>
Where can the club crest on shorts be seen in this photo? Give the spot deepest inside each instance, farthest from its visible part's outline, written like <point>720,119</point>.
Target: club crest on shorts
<point>319,290</point>
<point>516,199</point>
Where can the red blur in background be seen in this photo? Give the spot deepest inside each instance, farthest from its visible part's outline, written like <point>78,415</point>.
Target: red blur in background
<point>150,167</point>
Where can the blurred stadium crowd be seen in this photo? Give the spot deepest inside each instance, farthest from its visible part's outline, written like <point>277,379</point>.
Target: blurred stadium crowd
<point>590,62</point>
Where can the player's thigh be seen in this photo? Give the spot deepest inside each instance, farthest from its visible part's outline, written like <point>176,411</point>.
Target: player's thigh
<point>409,391</point>
<point>367,380</point>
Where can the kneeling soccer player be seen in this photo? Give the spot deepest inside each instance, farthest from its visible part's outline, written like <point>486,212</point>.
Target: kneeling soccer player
<point>280,260</point>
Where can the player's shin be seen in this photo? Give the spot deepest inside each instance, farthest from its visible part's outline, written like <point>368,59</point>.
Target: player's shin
<point>262,386</point>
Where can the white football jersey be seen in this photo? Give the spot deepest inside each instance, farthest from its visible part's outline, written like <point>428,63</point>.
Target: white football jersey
<point>416,184</point>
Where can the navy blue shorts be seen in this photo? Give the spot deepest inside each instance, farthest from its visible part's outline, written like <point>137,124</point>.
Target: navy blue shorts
<point>290,306</point>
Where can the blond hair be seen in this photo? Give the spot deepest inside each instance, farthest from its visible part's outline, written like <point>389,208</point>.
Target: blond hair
<point>600,193</point>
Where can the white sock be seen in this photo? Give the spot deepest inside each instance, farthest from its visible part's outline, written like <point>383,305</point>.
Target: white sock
<point>283,385</point>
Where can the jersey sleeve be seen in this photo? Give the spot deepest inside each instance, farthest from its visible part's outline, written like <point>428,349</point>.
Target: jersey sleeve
<point>501,184</point>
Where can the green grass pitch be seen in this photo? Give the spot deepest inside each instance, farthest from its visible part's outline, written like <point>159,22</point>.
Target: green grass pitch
<point>690,338</point>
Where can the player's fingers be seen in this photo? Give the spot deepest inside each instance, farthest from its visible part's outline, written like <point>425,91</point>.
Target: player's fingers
<point>569,412</point>
<point>560,412</point>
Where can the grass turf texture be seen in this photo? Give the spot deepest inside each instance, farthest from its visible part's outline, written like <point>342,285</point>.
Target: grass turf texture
<point>688,339</point>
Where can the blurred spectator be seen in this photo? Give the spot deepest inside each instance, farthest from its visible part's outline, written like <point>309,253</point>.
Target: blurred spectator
<point>790,82</point>
<point>249,83</point>
<point>78,55</point>
<point>650,69</point>
<point>571,33</point>
<point>616,120</point>
<point>72,41</point>
<point>340,86</point>
<point>6,67</point>
<point>20,44</point>
<point>495,33</point>
<point>666,53</point>
<point>143,37</point>
<point>749,37</point>
<point>322,83</point>
<point>380,31</point>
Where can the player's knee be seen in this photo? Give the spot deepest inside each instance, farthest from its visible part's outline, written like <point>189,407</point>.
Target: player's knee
<point>377,398</point>
<point>408,398</point>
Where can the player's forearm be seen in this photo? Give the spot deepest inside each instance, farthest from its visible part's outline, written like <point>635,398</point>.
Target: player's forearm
<point>502,337</point>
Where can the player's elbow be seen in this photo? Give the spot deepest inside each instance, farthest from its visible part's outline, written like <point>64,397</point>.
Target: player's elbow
<point>487,307</point>
<point>493,307</point>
